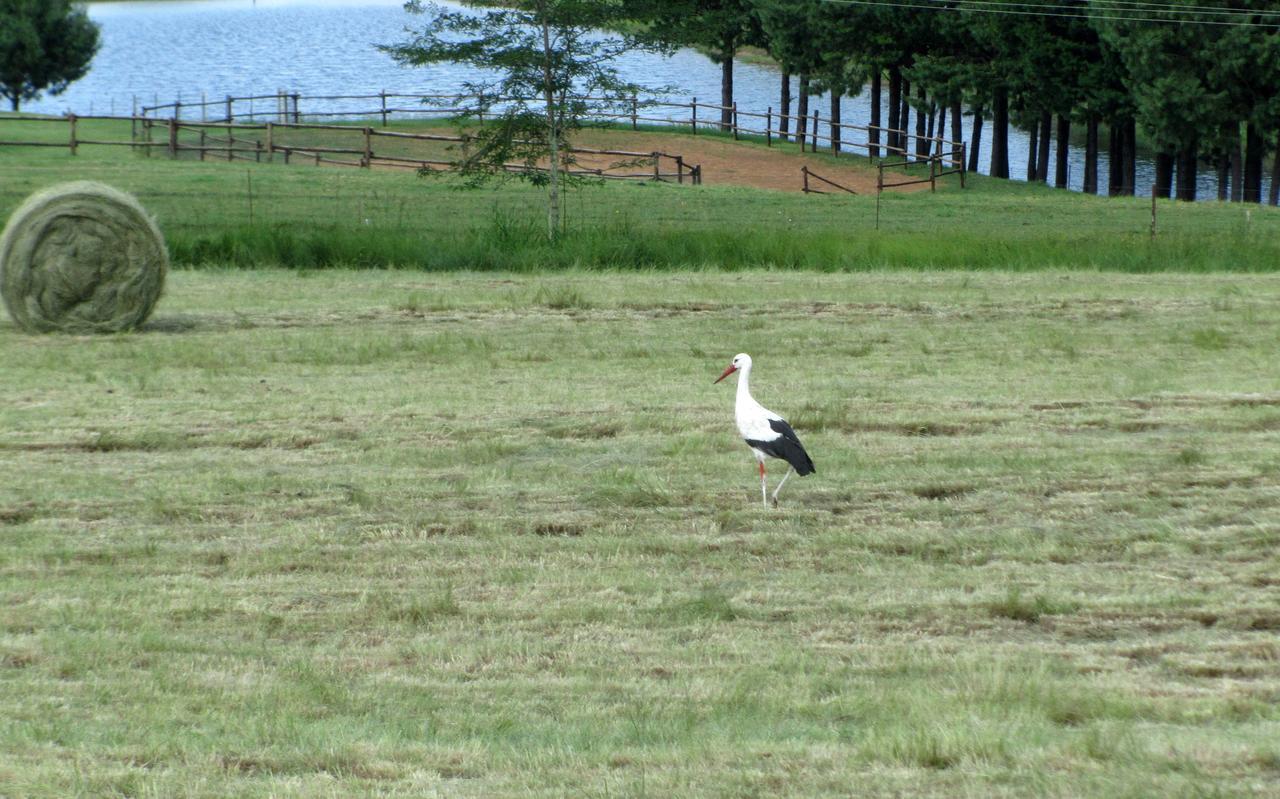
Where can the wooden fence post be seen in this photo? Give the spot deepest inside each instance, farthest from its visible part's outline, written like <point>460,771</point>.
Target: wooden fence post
<point>680,168</point>
<point>835,138</point>
<point>271,143</point>
<point>368,147</point>
<point>230,118</point>
<point>383,95</point>
<point>231,143</point>
<point>657,173</point>
<point>768,127</point>
<point>879,189</point>
<point>963,164</point>
<point>693,116</point>
<point>71,118</point>
<point>814,148</point>
<point>173,137</point>
<point>635,113</point>
<point>203,137</point>
<point>296,115</point>
<point>804,170</point>
<point>735,120</point>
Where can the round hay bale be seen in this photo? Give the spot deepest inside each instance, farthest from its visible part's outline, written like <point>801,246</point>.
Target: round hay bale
<point>81,257</point>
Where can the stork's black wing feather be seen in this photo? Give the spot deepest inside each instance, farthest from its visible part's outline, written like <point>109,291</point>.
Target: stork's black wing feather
<point>786,446</point>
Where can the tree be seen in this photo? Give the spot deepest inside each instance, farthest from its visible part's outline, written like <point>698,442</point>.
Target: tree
<point>717,27</point>
<point>551,68</point>
<point>45,45</point>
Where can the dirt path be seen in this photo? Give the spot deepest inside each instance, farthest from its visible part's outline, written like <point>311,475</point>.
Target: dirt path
<point>726,162</point>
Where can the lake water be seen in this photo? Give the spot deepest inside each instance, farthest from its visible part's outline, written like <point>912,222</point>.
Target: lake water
<point>188,49</point>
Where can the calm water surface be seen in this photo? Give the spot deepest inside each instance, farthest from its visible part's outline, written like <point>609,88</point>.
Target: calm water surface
<point>192,49</point>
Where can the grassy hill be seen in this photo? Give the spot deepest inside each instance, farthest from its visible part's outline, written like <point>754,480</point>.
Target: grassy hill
<point>249,214</point>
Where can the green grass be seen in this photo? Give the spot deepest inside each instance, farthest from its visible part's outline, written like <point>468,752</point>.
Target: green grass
<point>248,214</point>
<point>402,534</point>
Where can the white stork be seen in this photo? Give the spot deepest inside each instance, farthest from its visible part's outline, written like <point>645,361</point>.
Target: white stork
<point>767,433</point>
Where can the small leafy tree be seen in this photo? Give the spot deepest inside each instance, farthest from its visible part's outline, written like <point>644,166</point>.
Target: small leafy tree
<point>45,45</point>
<point>548,66</point>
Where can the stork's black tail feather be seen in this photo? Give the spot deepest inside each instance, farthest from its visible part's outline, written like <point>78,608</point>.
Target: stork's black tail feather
<point>787,447</point>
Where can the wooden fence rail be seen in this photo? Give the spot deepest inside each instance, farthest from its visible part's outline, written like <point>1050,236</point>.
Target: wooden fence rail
<point>286,107</point>
<point>236,141</point>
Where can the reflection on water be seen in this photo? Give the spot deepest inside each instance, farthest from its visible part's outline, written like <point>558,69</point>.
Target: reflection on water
<point>188,50</point>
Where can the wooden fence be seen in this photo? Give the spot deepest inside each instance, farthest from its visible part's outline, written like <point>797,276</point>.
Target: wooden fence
<point>801,130</point>
<point>258,141</point>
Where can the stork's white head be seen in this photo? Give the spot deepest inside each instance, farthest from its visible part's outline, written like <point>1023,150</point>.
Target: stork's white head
<point>740,361</point>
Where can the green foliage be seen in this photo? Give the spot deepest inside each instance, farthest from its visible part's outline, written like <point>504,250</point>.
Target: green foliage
<point>45,45</point>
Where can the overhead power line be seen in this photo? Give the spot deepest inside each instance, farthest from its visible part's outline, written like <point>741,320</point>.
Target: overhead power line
<point>1066,12</point>
<point>1116,6</point>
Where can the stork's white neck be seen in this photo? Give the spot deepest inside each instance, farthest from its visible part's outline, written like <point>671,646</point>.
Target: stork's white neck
<point>744,393</point>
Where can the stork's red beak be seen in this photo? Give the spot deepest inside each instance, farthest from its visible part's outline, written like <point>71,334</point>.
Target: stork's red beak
<point>727,372</point>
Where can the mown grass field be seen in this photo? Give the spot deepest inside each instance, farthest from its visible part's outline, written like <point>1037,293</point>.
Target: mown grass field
<point>403,534</point>
<point>249,215</point>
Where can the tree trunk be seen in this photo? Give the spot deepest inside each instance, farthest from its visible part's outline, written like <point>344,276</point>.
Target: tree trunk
<point>726,87</point>
<point>1253,164</point>
<point>1274,197</point>
<point>1164,175</point>
<point>1224,179</point>
<point>873,135</point>
<point>1060,155</point>
<point>1115,159</point>
<point>922,125</point>
<point>1000,134</point>
<point>802,124</point>
<point>941,113</point>
<point>895,97</point>
<point>957,134</point>
<point>1046,135</point>
<point>834,122</point>
<point>975,139</point>
<point>15,103</point>
<point>1091,155</point>
<point>1187,168</point>
<point>904,119</point>
<point>1033,153</point>
<point>553,136</point>
<point>1130,157</point>
<point>1237,168</point>
<point>784,121</point>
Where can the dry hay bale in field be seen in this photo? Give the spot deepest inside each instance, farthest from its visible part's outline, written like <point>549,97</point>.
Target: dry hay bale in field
<point>81,257</point>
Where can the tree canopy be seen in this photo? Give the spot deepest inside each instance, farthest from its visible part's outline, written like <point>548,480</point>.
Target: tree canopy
<point>45,45</point>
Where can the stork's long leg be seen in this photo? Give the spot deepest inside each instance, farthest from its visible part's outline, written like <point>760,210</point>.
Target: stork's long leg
<point>779,488</point>
<point>764,486</point>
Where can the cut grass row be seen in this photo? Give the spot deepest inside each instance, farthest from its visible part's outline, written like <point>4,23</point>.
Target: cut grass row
<point>248,215</point>
<point>394,534</point>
